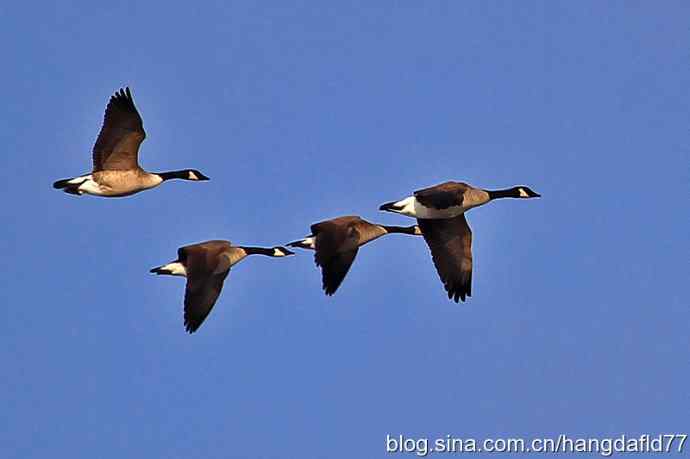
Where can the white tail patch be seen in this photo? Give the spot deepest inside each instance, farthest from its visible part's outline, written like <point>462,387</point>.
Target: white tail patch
<point>174,269</point>
<point>413,208</point>
<point>406,206</point>
<point>76,180</point>
<point>308,243</point>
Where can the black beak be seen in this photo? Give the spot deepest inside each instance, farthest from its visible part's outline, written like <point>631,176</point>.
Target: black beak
<point>288,252</point>
<point>202,177</point>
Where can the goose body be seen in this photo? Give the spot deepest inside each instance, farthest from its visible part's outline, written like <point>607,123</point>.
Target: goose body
<point>116,171</point>
<point>440,213</point>
<point>450,199</point>
<point>206,265</point>
<point>337,242</point>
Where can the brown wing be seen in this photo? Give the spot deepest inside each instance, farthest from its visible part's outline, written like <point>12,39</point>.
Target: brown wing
<point>334,270</point>
<point>199,298</point>
<point>204,280</point>
<point>442,196</point>
<point>336,249</point>
<point>450,242</point>
<point>117,145</point>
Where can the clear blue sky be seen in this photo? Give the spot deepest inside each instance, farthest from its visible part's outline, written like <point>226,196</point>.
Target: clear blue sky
<point>300,111</point>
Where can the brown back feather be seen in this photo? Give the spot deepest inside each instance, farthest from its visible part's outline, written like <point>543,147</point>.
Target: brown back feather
<point>442,196</point>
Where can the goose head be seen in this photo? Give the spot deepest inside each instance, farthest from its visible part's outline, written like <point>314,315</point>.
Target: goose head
<point>281,252</point>
<point>525,192</point>
<point>195,175</point>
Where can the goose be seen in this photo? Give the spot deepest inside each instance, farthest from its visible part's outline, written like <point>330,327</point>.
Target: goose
<point>337,241</point>
<point>206,265</point>
<point>116,170</point>
<point>440,213</point>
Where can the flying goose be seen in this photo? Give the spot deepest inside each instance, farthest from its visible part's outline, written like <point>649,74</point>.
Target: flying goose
<point>440,213</point>
<point>116,170</point>
<point>337,241</point>
<point>206,265</point>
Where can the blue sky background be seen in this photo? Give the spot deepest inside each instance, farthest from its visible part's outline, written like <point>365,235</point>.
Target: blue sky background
<point>301,111</point>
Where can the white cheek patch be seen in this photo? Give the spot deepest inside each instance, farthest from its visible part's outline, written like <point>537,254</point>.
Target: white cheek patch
<point>278,253</point>
<point>193,176</point>
<point>523,193</point>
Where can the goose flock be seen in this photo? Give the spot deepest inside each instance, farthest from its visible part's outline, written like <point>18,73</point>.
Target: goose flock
<point>439,211</point>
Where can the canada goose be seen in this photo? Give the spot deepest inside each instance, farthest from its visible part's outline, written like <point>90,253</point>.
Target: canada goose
<point>440,212</point>
<point>116,170</point>
<point>206,265</point>
<point>337,241</point>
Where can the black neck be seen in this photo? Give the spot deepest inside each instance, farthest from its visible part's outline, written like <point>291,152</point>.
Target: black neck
<point>399,229</point>
<point>507,193</point>
<point>258,251</point>
<point>184,175</point>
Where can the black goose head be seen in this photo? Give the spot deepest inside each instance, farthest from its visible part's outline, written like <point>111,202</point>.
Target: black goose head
<point>184,174</point>
<point>193,174</point>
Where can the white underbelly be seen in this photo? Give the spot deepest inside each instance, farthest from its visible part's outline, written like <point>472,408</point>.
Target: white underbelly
<point>116,184</point>
<point>413,208</point>
<point>89,186</point>
<point>431,213</point>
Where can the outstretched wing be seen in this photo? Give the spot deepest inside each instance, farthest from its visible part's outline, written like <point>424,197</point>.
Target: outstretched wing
<point>117,145</point>
<point>443,196</point>
<point>336,248</point>
<point>200,296</point>
<point>207,269</point>
<point>334,270</point>
<point>450,242</point>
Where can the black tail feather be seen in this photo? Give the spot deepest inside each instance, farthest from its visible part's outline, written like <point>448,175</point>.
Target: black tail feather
<point>67,187</point>
<point>72,190</point>
<point>61,184</point>
<point>389,206</point>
